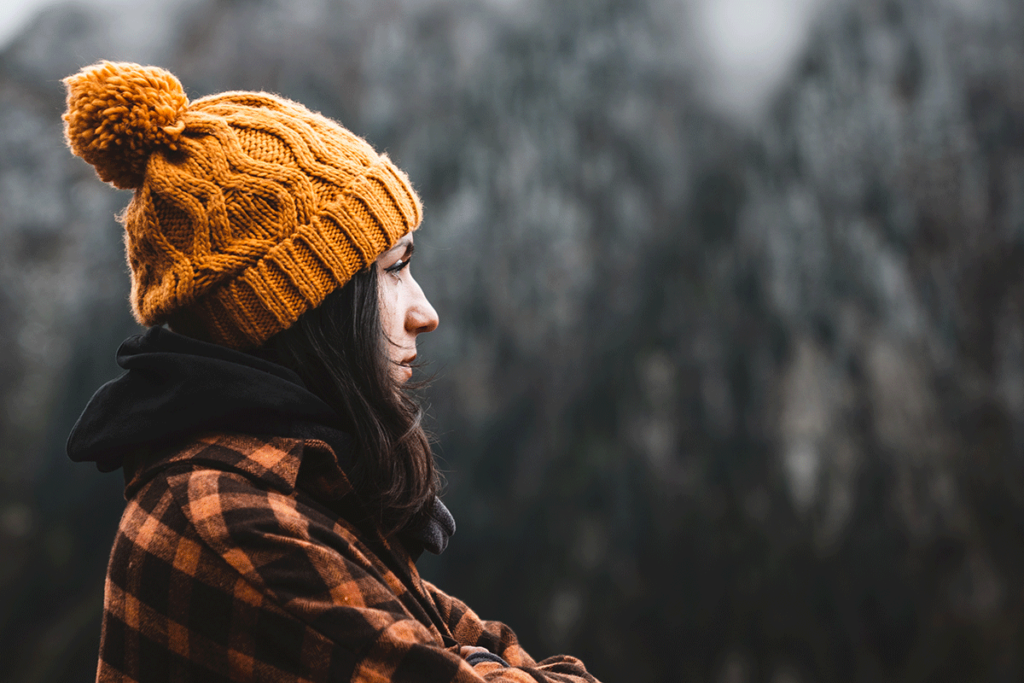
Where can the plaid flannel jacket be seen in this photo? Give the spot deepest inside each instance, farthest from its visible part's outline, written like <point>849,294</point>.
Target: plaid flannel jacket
<point>231,564</point>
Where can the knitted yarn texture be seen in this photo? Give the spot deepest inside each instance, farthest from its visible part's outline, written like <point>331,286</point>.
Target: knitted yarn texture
<point>249,209</point>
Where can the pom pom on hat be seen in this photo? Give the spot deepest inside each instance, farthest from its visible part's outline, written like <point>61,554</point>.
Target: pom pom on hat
<point>118,113</point>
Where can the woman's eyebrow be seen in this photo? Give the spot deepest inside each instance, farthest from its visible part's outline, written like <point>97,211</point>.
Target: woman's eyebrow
<point>409,248</point>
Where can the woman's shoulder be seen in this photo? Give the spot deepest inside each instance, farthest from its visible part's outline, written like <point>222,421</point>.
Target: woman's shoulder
<point>271,462</point>
<point>232,490</point>
<point>221,529</point>
<point>238,497</point>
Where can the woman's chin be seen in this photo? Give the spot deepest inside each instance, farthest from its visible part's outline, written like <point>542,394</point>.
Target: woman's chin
<point>403,373</point>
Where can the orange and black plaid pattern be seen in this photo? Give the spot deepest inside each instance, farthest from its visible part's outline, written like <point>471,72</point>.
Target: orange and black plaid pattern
<point>234,562</point>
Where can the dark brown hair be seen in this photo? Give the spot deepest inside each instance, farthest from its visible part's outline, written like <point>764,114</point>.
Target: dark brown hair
<point>339,349</point>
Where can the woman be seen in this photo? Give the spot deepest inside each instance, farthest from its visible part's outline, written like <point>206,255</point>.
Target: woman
<point>279,484</point>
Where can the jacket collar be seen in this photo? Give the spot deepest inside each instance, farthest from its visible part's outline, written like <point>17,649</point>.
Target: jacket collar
<point>274,462</point>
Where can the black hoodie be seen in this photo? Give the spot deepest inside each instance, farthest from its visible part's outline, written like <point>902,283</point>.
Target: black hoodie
<point>175,386</point>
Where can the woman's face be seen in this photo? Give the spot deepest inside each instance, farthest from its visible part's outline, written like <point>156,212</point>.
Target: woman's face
<point>404,309</point>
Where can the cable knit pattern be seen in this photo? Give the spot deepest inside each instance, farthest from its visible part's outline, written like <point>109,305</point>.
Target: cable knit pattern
<point>249,209</point>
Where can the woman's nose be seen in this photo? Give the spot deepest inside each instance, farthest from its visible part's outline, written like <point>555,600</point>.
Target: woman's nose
<point>420,316</point>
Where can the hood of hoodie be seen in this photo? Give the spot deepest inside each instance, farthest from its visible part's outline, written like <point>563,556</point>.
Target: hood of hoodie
<point>175,386</point>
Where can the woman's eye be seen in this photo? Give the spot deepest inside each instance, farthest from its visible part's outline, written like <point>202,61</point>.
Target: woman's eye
<point>398,266</point>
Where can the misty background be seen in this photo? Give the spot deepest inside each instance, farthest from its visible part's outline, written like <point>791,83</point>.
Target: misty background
<point>730,372</point>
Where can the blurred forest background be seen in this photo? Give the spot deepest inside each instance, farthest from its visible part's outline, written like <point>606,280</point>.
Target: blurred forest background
<point>730,375</point>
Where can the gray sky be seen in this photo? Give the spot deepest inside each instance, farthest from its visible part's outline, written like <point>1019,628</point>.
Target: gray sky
<point>14,14</point>
<point>750,45</point>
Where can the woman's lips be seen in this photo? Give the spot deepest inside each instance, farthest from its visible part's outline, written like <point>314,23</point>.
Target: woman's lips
<point>406,366</point>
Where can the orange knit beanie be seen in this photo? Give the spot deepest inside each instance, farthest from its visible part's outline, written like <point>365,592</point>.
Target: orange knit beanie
<point>249,209</point>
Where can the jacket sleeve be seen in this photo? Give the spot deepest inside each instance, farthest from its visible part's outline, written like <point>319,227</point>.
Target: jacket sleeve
<point>469,629</point>
<point>353,615</point>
